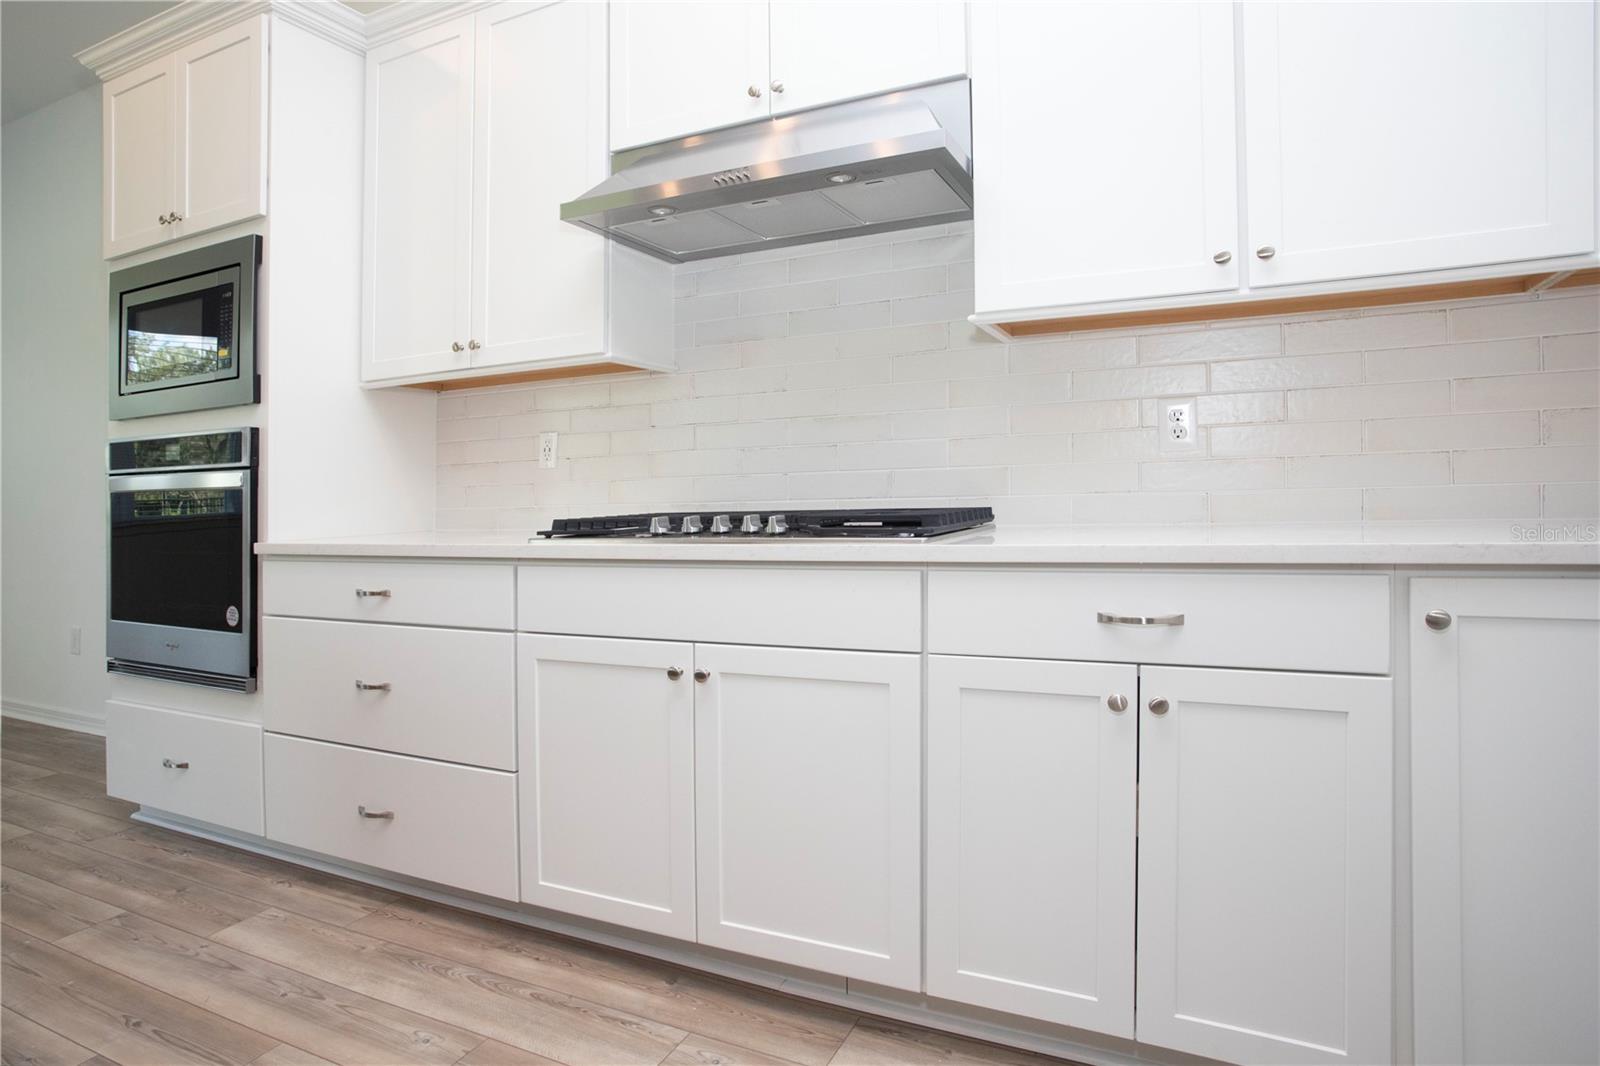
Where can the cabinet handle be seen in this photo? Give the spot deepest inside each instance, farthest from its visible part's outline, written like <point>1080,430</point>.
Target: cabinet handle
<point>174,217</point>
<point>1158,706</point>
<point>388,815</point>
<point>170,765</point>
<point>1138,619</point>
<point>1117,702</point>
<point>163,219</point>
<point>702,676</point>
<point>1222,257</point>
<point>754,92</point>
<point>777,86</point>
<point>473,346</point>
<point>1437,620</point>
<point>455,346</point>
<point>362,594</point>
<point>674,672</point>
<point>1266,251</point>
<point>373,686</point>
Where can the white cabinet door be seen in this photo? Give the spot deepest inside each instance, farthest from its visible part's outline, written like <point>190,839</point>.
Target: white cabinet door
<point>1383,138</point>
<point>538,284</point>
<point>679,68</point>
<point>221,122</point>
<point>417,272</point>
<point>808,776</point>
<point>1505,819</point>
<point>823,53</point>
<point>606,750</point>
<point>139,145</point>
<point>1107,165</point>
<point>1031,797</point>
<point>1265,892</point>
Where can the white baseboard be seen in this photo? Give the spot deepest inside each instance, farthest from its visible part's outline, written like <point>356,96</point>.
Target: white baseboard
<point>60,717</point>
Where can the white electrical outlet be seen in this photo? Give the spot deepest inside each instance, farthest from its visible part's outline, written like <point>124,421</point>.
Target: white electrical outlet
<point>75,640</point>
<point>1178,431</point>
<point>547,450</point>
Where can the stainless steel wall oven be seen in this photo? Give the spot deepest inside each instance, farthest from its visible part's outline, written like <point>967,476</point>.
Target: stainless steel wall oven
<point>181,604</point>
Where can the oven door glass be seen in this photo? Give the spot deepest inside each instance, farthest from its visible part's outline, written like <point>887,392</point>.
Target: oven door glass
<point>179,548</point>
<point>180,333</point>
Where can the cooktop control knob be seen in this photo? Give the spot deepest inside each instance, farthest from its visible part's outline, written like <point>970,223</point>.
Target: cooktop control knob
<point>721,524</point>
<point>690,524</point>
<point>750,523</point>
<point>777,525</point>
<point>660,525</point>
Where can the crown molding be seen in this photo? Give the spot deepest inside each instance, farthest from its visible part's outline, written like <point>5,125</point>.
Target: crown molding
<point>189,21</point>
<point>408,16</point>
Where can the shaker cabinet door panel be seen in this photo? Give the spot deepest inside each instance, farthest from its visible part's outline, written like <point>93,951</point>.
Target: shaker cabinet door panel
<point>417,271</point>
<point>1265,873</point>
<point>140,148</point>
<point>1387,138</point>
<point>222,99</point>
<point>823,53</point>
<point>1505,816</point>
<point>1031,828</point>
<point>1107,158</point>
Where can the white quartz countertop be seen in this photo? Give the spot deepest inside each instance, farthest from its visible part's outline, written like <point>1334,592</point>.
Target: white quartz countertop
<point>1546,543</point>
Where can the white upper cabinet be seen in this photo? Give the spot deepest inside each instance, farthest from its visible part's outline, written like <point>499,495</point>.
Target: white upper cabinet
<point>1391,138</point>
<point>1105,162</point>
<point>417,275</point>
<point>184,141</point>
<point>1265,894</point>
<point>822,53</point>
<point>680,68</point>
<point>1505,819</point>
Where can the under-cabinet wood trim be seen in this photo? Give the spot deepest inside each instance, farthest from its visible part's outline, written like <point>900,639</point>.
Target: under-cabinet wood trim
<point>522,376</point>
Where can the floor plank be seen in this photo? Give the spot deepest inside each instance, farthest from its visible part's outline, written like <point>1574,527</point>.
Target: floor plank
<point>325,1019</point>
<point>115,1016</point>
<point>45,909</point>
<point>775,1025</point>
<point>55,819</point>
<point>9,831</point>
<point>696,1050</point>
<point>494,1053</point>
<point>12,771</point>
<point>24,1042</point>
<point>60,750</point>
<point>130,886</point>
<point>289,1055</point>
<point>267,881</point>
<point>504,1008</point>
<point>874,1042</point>
<point>85,793</point>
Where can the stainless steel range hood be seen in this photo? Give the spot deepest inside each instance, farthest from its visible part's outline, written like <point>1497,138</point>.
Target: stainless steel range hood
<point>887,162</point>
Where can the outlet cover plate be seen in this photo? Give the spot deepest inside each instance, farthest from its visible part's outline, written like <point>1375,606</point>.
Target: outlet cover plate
<point>1179,435</point>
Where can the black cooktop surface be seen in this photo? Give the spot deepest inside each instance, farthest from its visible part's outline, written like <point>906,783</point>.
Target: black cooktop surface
<point>856,522</point>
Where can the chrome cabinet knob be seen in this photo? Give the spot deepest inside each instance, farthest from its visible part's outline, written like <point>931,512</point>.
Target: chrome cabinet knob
<point>1266,251</point>
<point>455,346</point>
<point>473,346</point>
<point>1222,257</point>
<point>690,524</point>
<point>674,673</point>
<point>173,765</point>
<point>702,676</point>
<point>777,525</point>
<point>750,523</point>
<point>721,524</point>
<point>387,815</point>
<point>1437,620</point>
<point>1158,706</point>
<point>1117,702</point>
<point>162,219</point>
<point>754,91</point>
<point>777,86</point>
<point>175,217</point>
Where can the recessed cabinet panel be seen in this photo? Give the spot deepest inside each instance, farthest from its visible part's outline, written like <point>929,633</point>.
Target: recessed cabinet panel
<point>140,150</point>
<point>606,731</point>
<point>1031,822</point>
<point>823,53</point>
<point>1386,138</point>
<point>1265,827</point>
<point>417,260</point>
<point>1505,813</point>
<point>1106,156</point>
<point>808,803</point>
<point>221,117</point>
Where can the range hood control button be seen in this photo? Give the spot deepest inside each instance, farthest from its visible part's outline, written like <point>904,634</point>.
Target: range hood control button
<point>751,523</point>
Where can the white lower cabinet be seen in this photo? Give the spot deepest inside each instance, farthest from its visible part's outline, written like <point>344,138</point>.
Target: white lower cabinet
<point>1265,892</point>
<point>1505,816</point>
<point>190,765</point>
<point>809,814</point>
<point>606,738</point>
<point>1032,785</point>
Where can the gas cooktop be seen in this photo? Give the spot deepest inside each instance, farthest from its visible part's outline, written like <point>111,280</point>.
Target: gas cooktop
<point>876,522</point>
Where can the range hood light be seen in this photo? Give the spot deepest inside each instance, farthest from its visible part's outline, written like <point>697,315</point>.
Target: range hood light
<point>662,210</point>
<point>841,178</point>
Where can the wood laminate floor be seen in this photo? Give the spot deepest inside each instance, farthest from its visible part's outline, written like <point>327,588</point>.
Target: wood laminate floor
<point>128,944</point>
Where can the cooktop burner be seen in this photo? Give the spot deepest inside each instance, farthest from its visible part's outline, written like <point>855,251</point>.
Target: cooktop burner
<point>863,522</point>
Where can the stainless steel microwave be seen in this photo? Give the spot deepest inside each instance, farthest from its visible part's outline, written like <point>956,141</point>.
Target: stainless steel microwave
<point>183,331</point>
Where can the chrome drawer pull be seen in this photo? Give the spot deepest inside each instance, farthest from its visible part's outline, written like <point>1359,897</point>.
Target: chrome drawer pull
<point>364,593</point>
<point>389,815</point>
<point>170,765</point>
<point>370,686</point>
<point>1138,619</point>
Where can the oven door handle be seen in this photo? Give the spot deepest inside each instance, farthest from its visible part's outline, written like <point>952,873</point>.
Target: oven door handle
<point>192,479</point>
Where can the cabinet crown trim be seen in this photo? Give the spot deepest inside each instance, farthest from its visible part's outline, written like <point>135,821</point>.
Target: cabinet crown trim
<point>170,30</point>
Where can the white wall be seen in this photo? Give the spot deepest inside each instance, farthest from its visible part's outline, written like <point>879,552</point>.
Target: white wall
<point>54,365</point>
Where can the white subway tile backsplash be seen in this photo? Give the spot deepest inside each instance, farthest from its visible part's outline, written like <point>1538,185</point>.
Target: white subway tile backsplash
<point>846,372</point>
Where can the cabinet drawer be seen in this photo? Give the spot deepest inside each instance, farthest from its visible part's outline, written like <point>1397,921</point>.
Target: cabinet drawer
<point>443,693</point>
<point>454,825</point>
<point>1333,622</point>
<point>868,610</point>
<point>466,595</point>
<point>215,771</point>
